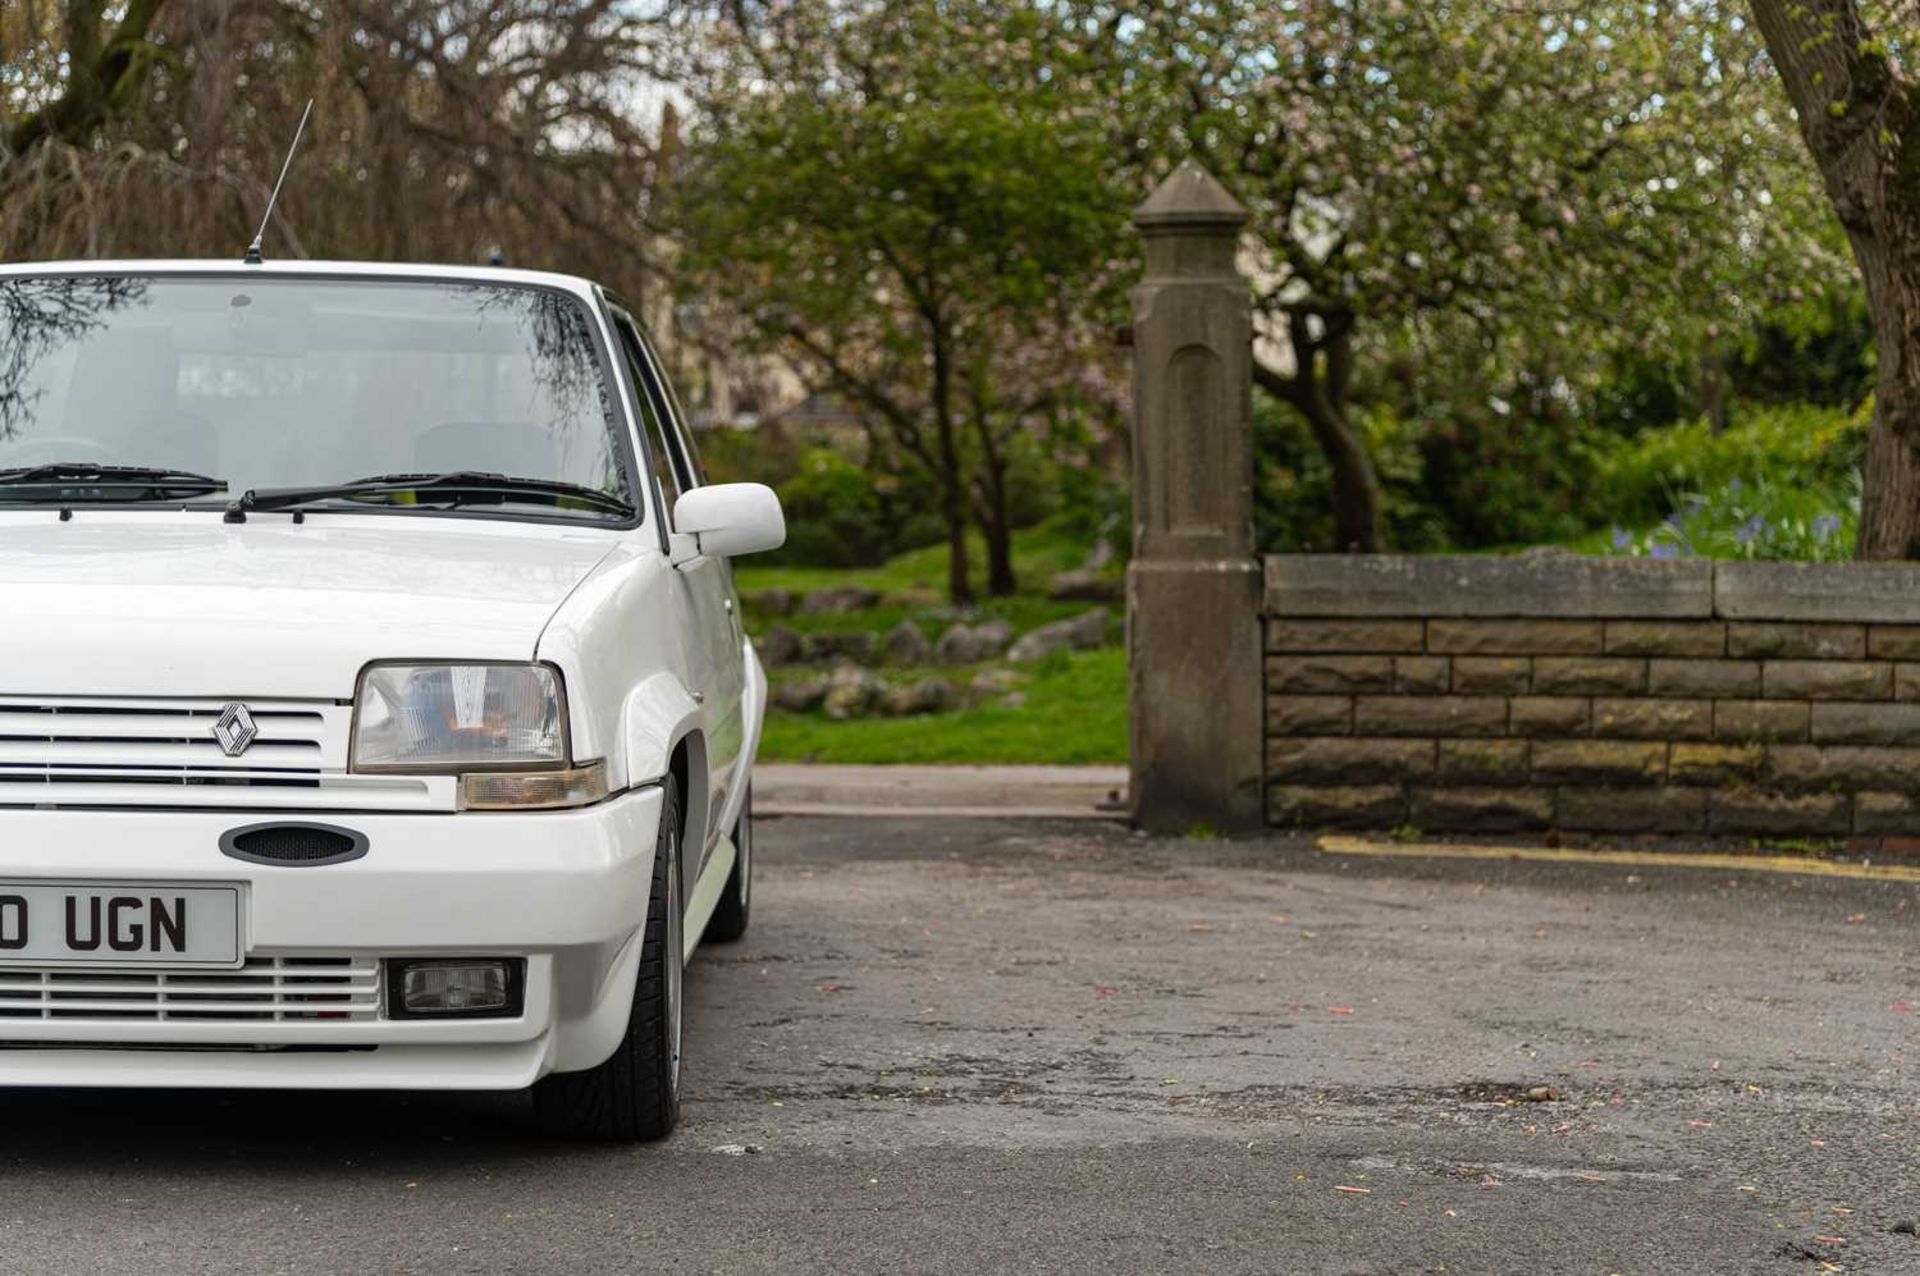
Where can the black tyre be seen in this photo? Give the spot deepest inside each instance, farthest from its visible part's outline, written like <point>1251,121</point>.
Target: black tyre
<point>735,909</point>
<point>635,1093</point>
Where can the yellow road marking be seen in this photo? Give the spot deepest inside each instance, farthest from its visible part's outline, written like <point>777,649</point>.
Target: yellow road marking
<point>1804,865</point>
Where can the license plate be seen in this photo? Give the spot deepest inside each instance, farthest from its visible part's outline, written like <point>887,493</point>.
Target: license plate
<point>46,923</point>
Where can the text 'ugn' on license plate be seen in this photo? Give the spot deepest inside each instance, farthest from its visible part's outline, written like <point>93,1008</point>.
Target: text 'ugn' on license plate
<point>119,923</point>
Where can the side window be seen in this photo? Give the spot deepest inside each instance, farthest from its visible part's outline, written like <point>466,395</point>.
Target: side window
<point>668,469</point>
<point>682,431</point>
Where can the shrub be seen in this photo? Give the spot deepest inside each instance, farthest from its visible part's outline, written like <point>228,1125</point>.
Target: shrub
<point>834,514</point>
<point>1753,519</point>
<point>1499,471</point>
<point>749,456</point>
<point>1293,488</point>
<point>843,514</point>
<point>1094,508</point>
<point>1783,447</point>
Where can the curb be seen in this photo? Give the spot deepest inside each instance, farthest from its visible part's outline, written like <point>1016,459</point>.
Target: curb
<point>1717,860</point>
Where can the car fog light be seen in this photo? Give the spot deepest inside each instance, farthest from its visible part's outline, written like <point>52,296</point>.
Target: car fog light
<point>533,790</point>
<point>471,987</point>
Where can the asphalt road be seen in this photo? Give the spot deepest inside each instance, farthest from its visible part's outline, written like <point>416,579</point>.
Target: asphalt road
<point>1015,1047</point>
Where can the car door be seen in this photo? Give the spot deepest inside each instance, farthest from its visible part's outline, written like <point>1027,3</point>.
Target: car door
<point>707,613</point>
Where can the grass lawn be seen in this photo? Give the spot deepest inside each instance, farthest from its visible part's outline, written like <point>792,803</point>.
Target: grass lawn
<point>1022,611</point>
<point>914,586</point>
<point>1076,712</point>
<point>1076,702</point>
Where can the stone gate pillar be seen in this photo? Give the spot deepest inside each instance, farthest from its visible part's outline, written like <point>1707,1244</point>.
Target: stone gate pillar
<point>1195,684</point>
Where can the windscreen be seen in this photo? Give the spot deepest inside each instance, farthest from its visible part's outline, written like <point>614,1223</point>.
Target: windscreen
<point>275,383</point>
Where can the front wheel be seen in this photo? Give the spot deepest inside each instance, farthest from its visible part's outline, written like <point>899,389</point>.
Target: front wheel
<point>731,914</point>
<point>635,1093</point>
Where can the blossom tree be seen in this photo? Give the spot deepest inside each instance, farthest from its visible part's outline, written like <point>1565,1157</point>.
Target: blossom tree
<point>1478,181</point>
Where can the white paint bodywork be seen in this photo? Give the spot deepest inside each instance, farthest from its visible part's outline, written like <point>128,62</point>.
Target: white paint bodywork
<point>178,608</point>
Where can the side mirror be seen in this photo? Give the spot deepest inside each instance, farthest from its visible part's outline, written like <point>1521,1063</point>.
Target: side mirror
<point>727,519</point>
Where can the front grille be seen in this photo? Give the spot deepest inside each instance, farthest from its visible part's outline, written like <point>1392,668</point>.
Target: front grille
<point>266,988</point>
<point>77,740</point>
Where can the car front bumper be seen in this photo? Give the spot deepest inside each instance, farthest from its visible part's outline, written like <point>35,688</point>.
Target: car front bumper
<point>564,891</point>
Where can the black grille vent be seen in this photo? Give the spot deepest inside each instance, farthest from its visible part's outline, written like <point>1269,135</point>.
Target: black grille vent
<point>294,845</point>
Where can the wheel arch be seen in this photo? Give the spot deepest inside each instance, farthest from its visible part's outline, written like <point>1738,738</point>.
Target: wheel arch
<point>688,765</point>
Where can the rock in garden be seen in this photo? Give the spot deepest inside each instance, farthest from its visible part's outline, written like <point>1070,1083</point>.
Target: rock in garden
<point>929,695</point>
<point>857,647</point>
<point>989,683</point>
<point>768,602</point>
<point>853,692</point>
<point>957,646</point>
<point>800,697</point>
<point>970,644</point>
<point>1076,633</point>
<point>781,646</point>
<point>838,600</point>
<point>1082,585</point>
<point>906,645</point>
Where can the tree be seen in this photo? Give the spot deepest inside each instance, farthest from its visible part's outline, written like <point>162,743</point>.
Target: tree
<point>442,129</point>
<point>104,68</point>
<point>1528,184</point>
<point>1858,103</point>
<point>910,201</point>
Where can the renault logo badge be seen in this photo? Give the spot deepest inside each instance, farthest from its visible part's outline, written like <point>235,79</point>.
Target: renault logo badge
<point>235,730</point>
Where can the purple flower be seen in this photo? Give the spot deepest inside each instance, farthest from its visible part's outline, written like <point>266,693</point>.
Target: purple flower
<point>1733,487</point>
<point>1825,525</point>
<point>1749,531</point>
<point>1621,539</point>
<point>1665,549</point>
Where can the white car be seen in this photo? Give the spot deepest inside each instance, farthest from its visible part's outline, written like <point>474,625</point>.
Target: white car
<point>375,710</point>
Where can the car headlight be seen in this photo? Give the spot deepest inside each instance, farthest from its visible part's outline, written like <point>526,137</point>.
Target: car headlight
<point>501,727</point>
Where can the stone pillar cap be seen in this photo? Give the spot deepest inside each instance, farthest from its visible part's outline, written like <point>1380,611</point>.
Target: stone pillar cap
<point>1190,197</point>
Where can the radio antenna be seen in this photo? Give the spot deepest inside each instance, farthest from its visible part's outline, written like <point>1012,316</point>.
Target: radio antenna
<point>253,250</point>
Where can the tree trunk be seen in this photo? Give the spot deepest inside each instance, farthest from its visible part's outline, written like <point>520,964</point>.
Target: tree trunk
<point>1860,121</point>
<point>1358,522</point>
<point>953,491</point>
<point>1890,487</point>
<point>1891,495</point>
<point>999,538</point>
<point>210,105</point>
<point>990,490</point>
<point>390,194</point>
<point>1712,386</point>
<point>953,507</point>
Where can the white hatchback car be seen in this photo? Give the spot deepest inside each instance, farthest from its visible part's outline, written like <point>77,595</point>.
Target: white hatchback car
<point>375,710</point>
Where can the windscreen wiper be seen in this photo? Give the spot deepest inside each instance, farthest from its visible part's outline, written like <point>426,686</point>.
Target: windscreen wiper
<point>456,488</point>
<point>63,478</point>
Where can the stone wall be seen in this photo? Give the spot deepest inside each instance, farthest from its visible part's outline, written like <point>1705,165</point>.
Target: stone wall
<point>1617,695</point>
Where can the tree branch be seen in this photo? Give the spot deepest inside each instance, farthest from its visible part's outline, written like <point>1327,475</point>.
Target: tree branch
<point>99,74</point>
